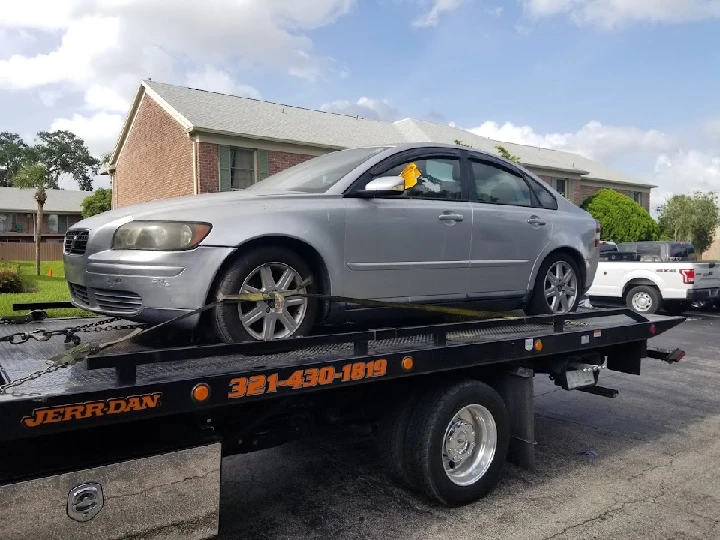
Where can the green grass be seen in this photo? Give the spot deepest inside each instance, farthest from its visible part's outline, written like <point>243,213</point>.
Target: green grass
<point>40,288</point>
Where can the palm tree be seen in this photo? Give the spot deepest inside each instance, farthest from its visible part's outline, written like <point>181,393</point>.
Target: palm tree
<point>35,175</point>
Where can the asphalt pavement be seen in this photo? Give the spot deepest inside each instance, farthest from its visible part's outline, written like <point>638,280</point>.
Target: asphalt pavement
<point>645,465</point>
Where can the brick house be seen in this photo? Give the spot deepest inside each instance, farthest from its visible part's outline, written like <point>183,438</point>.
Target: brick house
<point>181,141</point>
<point>18,214</point>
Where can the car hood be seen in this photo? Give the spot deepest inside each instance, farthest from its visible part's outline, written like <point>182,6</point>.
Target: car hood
<point>191,207</point>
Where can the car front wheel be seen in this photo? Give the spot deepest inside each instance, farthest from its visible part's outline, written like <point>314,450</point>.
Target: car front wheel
<point>267,269</point>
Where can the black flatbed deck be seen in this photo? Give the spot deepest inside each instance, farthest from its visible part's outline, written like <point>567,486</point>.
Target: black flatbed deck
<point>233,373</point>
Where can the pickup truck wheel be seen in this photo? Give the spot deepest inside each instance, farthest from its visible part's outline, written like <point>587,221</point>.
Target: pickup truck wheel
<point>265,269</point>
<point>457,442</point>
<point>557,286</point>
<point>392,437</point>
<point>643,299</point>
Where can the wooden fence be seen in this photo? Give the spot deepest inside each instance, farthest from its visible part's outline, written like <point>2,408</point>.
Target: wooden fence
<point>25,251</point>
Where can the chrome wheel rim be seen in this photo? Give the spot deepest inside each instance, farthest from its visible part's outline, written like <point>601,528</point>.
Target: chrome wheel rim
<point>561,287</point>
<point>469,445</point>
<point>268,320</point>
<point>642,301</point>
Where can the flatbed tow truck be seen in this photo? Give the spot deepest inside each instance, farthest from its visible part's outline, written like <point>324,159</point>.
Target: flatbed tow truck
<point>127,442</point>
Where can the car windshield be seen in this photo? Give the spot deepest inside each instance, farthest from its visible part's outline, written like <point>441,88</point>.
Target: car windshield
<point>317,175</point>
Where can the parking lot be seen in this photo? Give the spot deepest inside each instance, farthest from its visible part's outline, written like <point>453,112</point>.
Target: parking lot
<point>643,465</point>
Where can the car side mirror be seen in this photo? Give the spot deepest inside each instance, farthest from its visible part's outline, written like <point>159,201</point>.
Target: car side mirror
<point>381,187</point>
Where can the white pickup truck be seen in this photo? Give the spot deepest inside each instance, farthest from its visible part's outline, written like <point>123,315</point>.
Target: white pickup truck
<point>647,286</point>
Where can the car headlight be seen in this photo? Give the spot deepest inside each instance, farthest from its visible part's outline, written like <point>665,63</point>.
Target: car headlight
<point>160,235</point>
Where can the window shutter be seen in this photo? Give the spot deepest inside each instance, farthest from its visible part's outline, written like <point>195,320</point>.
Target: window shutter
<point>224,167</point>
<point>263,165</point>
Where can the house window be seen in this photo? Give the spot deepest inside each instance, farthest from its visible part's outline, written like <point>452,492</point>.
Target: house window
<point>241,167</point>
<point>636,196</point>
<point>7,222</point>
<point>560,185</point>
<point>57,224</point>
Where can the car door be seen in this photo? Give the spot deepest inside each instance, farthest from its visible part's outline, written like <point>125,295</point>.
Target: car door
<point>414,246</point>
<point>510,230</point>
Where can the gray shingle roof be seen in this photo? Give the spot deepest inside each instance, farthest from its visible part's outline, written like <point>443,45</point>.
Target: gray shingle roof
<point>58,200</point>
<point>252,118</point>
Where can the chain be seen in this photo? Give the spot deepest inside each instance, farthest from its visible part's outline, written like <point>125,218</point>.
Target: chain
<point>32,376</point>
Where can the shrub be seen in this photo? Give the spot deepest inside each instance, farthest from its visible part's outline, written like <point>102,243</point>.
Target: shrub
<point>10,281</point>
<point>621,218</point>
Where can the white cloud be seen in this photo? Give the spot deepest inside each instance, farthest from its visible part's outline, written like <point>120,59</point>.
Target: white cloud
<point>216,80</point>
<point>685,171</point>
<point>375,109</point>
<point>612,13</point>
<point>103,40</point>
<point>100,131</point>
<point>712,128</point>
<point>495,11</point>
<point>593,140</point>
<point>104,98</point>
<point>438,7</point>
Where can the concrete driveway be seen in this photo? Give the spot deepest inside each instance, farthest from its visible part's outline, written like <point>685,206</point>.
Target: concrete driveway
<point>645,465</point>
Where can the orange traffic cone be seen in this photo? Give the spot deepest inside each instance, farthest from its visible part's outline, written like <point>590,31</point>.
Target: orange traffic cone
<point>50,272</point>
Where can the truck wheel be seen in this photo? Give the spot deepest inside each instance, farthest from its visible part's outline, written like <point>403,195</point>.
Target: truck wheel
<point>643,299</point>
<point>457,442</point>
<point>392,437</point>
<point>265,269</point>
<point>557,286</point>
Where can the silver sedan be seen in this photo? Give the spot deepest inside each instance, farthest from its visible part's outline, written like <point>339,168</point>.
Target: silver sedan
<point>422,223</point>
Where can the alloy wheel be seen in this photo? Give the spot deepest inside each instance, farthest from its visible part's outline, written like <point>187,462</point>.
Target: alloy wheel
<point>561,287</point>
<point>266,320</point>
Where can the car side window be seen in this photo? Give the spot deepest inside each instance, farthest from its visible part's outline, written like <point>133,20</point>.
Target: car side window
<point>543,196</point>
<point>440,178</point>
<point>494,185</point>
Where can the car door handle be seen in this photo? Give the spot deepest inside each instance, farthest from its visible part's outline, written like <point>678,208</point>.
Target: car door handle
<point>535,220</point>
<point>449,216</point>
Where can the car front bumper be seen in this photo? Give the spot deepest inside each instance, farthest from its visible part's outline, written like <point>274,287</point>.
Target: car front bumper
<point>144,286</point>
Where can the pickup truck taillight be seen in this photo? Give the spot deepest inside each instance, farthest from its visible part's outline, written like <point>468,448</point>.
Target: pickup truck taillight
<point>688,276</point>
<point>597,233</point>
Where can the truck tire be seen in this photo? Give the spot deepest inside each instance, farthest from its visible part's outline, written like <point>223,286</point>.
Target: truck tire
<point>643,299</point>
<point>457,442</point>
<point>392,438</point>
<point>539,303</point>
<point>252,270</point>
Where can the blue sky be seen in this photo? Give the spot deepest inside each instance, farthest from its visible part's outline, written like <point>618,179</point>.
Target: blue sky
<point>632,83</point>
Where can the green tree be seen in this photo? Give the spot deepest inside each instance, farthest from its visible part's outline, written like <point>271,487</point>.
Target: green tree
<point>100,201</point>
<point>621,219</point>
<point>63,152</point>
<point>35,176</point>
<point>507,155</point>
<point>13,153</point>
<point>690,218</point>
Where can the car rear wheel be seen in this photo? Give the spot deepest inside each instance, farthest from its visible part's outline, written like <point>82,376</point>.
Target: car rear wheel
<point>266,269</point>
<point>557,286</point>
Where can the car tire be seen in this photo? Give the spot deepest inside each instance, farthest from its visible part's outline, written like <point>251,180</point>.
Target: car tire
<point>248,269</point>
<point>430,441</point>
<point>643,299</point>
<point>538,304</point>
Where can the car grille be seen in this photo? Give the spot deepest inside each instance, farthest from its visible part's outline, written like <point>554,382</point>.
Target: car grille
<point>106,299</point>
<point>80,294</point>
<point>76,241</point>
